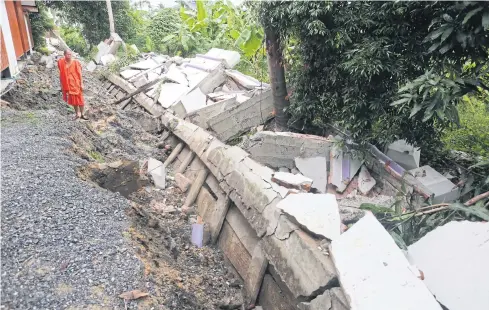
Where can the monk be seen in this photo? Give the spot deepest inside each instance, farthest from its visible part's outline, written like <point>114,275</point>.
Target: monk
<point>72,83</point>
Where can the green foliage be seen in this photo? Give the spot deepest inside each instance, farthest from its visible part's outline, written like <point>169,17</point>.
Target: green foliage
<point>93,18</point>
<point>40,24</point>
<point>458,48</point>
<point>74,39</point>
<point>123,60</point>
<point>472,136</point>
<point>347,61</point>
<point>165,22</point>
<point>408,227</point>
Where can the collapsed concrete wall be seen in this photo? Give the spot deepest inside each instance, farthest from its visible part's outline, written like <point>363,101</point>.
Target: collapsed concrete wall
<point>281,249</point>
<point>254,232</point>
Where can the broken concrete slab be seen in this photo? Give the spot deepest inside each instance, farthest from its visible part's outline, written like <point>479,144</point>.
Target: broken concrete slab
<point>202,116</point>
<point>442,188</point>
<point>321,302</point>
<point>207,63</point>
<point>314,168</point>
<point>176,75</point>
<point>289,180</point>
<point>246,81</point>
<point>243,117</point>
<point>406,155</point>
<point>153,76</point>
<point>157,172</point>
<point>115,44</point>
<point>434,254</point>
<point>91,66</point>
<point>318,213</point>
<point>171,93</point>
<point>129,73</point>
<point>279,149</point>
<point>365,181</point>
<point>140,81</point>
<point>144,65</point>
<point>373,271</point>
<point>207,82</point>
<point>191,102</point>
<point>107,59</point>
<point>230,58</point>
<point>299,263</point>
<point>102,49</point>
<point>344,166</point>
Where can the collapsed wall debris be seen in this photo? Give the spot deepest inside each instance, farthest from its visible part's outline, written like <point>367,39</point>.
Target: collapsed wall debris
<point>279,230</point>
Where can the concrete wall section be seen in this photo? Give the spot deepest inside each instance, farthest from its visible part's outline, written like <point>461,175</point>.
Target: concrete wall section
<point>255,233</point>
<point>279,149</point>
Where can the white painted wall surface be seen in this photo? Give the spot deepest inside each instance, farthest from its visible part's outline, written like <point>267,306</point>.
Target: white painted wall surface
<point>7,37</point>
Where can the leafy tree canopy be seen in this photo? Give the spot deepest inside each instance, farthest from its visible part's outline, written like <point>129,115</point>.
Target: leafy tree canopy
<point>381,70</point>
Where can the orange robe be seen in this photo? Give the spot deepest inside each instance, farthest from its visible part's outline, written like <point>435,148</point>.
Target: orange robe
<point>71,81</point>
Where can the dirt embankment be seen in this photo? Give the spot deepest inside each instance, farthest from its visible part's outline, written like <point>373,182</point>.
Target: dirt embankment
<point>113,143</point>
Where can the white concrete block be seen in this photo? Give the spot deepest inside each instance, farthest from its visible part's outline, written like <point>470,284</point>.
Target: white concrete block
<point>191,102</point>
<point>373,271</point>
<point>171,93</point>
<point>230,58</point>
<point>152,76</point>
<point>316,169</point>
<point>129,73</point>
<point>176,75</point>
<point>144,65</point>
<point>442,188</point>
<point>157,172</point>
<point>103,49</point>
<point>91,66</point>
<point>365,181</point>
<point>404,154</point>
<point>208,64</point>
<point>107,59</point>
<point>454,260</point>
<point>316,212</point>
<point>244,80</point>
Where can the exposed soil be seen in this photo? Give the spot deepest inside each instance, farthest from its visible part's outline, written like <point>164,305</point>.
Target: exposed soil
<point>111,145</point>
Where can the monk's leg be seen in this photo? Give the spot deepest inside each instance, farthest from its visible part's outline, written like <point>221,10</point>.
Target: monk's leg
<point>77,111</point>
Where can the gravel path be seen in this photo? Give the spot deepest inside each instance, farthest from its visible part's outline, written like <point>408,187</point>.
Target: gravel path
<point>63,240</point>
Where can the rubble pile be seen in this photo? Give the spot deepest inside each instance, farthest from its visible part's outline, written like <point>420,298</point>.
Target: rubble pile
<point>291,193</point>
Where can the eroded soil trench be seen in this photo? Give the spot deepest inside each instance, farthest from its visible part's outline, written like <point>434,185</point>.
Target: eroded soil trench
<point>114,144</point>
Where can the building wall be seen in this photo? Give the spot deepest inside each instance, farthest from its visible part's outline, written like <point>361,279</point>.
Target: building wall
<point>16,34</point>
<point>9,52</point>
<point>3,53</point>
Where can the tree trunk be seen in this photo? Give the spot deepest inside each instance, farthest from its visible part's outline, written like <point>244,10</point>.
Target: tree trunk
<point>277,78</point>
<point>111,17</point>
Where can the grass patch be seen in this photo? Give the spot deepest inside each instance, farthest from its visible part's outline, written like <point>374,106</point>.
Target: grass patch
<point>96,156</point>
<point>473,134</point>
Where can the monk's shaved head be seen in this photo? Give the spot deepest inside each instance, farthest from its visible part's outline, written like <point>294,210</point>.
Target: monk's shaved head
<point>68,54</point>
